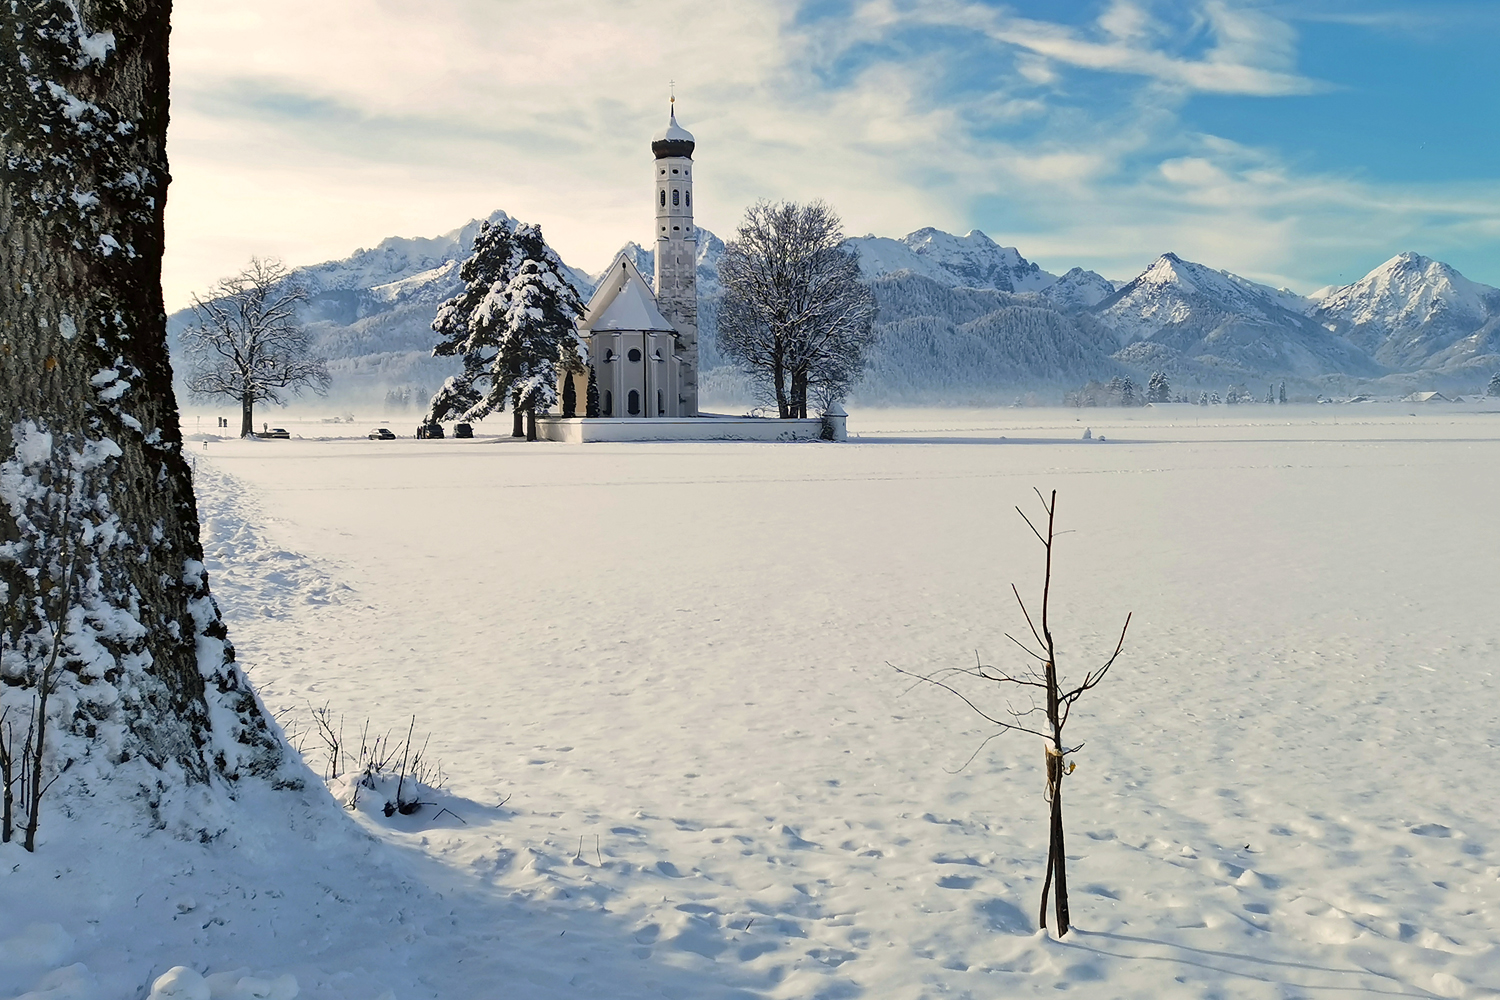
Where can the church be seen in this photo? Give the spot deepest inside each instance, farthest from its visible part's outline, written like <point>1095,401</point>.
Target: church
<point>644,345</point>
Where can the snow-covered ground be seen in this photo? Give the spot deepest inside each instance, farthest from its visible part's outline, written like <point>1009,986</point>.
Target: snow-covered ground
<point>679,763</point>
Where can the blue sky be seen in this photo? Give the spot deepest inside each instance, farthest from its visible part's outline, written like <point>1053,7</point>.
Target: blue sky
<point>1298,144</point>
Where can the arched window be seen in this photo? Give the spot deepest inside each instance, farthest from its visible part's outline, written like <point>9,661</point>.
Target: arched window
<point>634,403</point>
<point>676,200</point>
<point>661,403</point>
<point>608,355</point>
<point>689,196</point>
<point>609,403</point>
<point>634,355</point>
<point>664,199</point>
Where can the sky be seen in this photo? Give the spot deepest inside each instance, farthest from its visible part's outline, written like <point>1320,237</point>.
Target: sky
<point>1300,144</point>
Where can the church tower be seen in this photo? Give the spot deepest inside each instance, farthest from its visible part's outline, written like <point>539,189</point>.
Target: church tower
<point>677,250</point>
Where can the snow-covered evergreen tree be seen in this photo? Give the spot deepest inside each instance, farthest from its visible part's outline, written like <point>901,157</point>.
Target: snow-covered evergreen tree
<point>1203,399</point>
<point>1494,387</point>
<point>1270,394</point>
<point>515,324</point>
<point>1281,398</point>
<point>1127,391</point>
<point>1159,388</point>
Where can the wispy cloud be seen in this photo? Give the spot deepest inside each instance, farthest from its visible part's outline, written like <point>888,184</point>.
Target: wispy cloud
<point>306,130</point>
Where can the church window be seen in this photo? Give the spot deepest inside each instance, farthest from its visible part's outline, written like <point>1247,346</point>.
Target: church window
<point>664,197</point>
<point>689,196</point>
<point>608,355</point>
<point>676,200</point>
<point>634,403</point>
<point>674,170</point>
<point>609,403</point>
<point>675,228</point>
<point>661,404</point>
<point>634,355</point>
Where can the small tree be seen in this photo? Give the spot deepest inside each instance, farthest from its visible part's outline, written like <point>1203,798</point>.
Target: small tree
<point>1127,391</point>
<point>1159,389</point>
<point>795,315</point>
<point>1281,395</point>
<point>1058,707</point>
<point>591,405</point>
<point>1203,399</point>
<point>1494,386</point>
<point>515,324</point>
<point>246,344</point>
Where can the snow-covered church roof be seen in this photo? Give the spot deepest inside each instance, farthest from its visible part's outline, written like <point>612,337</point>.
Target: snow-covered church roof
<point>623,301</point>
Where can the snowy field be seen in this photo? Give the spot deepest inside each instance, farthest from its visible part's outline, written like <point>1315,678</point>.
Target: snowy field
<point>679,763</point>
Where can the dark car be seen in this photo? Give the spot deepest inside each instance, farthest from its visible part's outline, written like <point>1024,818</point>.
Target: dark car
<point>432,430</point>
<point>382,434</point>
<point>463,431</point>
<point>277,432</point>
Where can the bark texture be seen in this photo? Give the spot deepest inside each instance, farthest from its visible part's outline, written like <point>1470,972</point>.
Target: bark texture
<point>90,445</point>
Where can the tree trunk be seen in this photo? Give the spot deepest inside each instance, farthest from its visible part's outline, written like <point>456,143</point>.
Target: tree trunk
<point>517,428</point>
<point>799,393</point>
<point>778,374</point>
<point>89,427</point>
<point>1057,859</point>
<point>247,416</point>
<point>530,424</point>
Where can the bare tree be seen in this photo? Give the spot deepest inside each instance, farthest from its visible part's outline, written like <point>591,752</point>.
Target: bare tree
<point>1045,720</point>
<point>795,313</point>
<point>246,343</point>
<point>96,497</point>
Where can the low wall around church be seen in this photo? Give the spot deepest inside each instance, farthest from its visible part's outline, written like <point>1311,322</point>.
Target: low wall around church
<point>581,430</point>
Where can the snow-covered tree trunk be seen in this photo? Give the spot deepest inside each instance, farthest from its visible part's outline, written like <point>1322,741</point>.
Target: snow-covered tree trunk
<point>91,454</point>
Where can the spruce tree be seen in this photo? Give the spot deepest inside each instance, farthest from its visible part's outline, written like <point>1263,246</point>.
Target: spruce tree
<point>1127,391</point>
<point>591,404</point>
<point>515,324</point>
<point>1494,387</point>
<point>1282,395</point>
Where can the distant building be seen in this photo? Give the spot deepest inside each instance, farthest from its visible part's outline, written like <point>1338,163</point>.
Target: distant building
<point>1426,397</point>
<point>643,346</point>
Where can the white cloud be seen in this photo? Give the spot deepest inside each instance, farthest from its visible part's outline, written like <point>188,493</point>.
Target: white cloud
<point>307,130</point>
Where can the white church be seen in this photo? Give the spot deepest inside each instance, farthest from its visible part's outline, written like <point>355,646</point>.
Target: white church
<point>643,345</point>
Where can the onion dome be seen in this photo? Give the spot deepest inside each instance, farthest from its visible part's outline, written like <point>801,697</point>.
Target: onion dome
<point>674,140</point>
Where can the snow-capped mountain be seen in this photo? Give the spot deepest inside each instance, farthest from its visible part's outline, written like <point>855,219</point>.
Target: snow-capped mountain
<point>1079,289</point>
<point>972,261</point>
<point>962,316</point>
<point>1412,311</point>
<point>1226,321</point>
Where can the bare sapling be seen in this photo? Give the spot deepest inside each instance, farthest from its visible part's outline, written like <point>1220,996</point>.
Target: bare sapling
<point>7,775</point>
<point>1046,721</point>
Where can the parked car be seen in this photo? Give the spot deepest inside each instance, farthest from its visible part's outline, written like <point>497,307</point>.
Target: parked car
<point>382,434</point>
<point>277,432</point>
<point>463,431</point>
<point>432,430</point>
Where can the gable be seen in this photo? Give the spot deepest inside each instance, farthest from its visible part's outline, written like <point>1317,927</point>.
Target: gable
<point>623,301</point>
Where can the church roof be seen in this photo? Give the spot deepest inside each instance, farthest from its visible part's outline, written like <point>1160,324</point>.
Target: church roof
<point>674,140</point>
<point>623,301</point>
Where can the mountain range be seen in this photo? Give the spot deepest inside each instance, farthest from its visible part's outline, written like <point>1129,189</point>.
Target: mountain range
<point>966,320</point>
